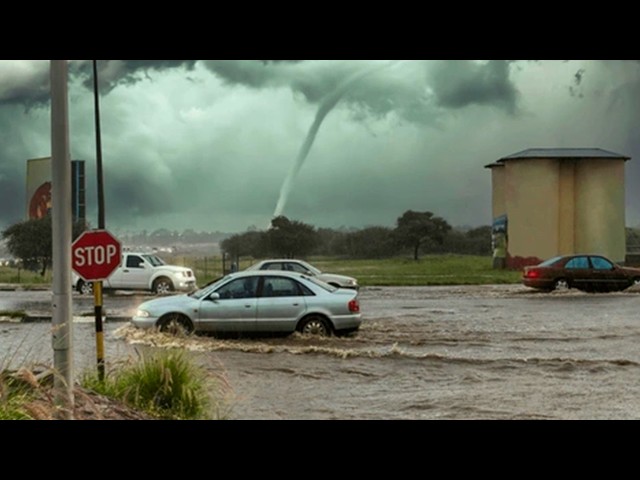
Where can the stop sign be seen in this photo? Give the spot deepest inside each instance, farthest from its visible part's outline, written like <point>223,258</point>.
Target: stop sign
<point>95,255</point>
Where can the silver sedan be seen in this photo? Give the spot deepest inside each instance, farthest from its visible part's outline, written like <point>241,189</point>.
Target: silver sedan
<point>256,301</point>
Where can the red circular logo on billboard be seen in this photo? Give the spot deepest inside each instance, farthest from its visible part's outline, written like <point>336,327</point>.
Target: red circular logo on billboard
<point>95,255</point>
<point>40,203</point>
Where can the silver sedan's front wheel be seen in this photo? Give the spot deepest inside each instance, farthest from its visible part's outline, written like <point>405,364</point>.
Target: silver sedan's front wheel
<point>315,325</point>
<point>176,324</point>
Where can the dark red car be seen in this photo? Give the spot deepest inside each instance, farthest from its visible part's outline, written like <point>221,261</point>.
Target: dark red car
<point>590,273</point>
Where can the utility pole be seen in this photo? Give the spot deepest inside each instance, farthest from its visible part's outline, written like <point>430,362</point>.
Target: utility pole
<point>97,286</point>
<point>62,320</point>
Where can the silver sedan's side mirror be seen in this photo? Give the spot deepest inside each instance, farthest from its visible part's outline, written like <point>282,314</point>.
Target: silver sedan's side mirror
<point>214,296</point>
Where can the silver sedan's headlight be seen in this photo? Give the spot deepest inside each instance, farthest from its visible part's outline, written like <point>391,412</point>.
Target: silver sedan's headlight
<point>142,313</point>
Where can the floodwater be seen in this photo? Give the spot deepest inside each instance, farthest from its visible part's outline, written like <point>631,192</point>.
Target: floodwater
<point>478,352</point>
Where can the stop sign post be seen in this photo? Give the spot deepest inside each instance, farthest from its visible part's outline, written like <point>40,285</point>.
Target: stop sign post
<point>95,255</point>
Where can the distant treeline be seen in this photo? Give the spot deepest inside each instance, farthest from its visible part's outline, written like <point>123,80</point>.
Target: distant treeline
<point>416,233</point>
<point>296,238</point>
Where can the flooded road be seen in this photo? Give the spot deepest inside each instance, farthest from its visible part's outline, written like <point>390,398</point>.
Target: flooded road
<point>481,352</point>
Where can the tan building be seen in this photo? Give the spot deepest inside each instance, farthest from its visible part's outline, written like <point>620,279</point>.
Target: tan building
<point>555,201</point>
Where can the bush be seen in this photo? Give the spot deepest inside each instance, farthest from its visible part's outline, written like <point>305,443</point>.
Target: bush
<point>166,384</point>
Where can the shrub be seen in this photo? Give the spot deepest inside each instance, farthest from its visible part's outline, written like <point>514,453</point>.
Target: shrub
<point>167,384</point>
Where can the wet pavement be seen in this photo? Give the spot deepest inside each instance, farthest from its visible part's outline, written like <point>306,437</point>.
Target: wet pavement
<point>478,352</point>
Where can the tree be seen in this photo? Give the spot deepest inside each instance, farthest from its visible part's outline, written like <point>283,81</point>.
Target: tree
<point>31,241</point>
<point>415,229</point>
<point>289,238</point>
<point>370,242</point>
<point>247,243</point>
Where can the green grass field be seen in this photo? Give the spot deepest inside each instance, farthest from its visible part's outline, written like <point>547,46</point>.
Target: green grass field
<point>23,277</point>
<point>429,270</point>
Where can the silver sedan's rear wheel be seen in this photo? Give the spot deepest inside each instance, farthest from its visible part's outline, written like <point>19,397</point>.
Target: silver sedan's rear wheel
<point>176,324</point>
<point>315,325</point>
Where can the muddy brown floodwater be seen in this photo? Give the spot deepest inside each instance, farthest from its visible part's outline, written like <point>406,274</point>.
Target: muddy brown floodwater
<point>480,352</point>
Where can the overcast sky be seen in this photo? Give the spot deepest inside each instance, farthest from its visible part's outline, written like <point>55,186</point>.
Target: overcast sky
<point>223,145</point>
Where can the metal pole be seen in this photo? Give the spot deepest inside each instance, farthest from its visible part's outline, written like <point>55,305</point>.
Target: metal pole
<point>62,335</point>
<point>97,286</point>
<point>96,98</point>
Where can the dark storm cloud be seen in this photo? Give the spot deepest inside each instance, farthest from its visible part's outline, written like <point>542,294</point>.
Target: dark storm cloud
<point>129,194</point>
<point>376,95</point>
<point>302,77</point>
<point>419,97</point>
<point>623,106</point>
<point>112,73</point>
<point>459,83</point>
<point>12,209</point>
<point>27,85</point>
<point>141,139</point>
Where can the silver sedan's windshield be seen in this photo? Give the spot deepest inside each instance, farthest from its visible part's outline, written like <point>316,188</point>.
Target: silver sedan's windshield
<point>208,288</point>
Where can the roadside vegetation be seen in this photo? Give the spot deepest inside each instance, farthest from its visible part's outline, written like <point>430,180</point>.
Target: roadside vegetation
<point>167,385</point>
<point>22,276</point>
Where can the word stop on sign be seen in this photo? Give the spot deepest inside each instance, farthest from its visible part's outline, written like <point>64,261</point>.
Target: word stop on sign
<point>95,255</point>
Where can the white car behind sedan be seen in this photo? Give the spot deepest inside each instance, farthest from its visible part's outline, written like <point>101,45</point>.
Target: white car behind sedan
<point>300,266</point>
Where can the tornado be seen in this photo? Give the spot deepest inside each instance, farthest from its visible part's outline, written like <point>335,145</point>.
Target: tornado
<point>326,105</point>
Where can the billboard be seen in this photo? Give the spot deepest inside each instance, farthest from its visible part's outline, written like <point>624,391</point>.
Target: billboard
<point>39,188</point>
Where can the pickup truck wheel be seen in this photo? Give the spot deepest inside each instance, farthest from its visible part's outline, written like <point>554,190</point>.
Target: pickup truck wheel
<point>175,324</point>
<point>162,285</point>
<point>85,288</point>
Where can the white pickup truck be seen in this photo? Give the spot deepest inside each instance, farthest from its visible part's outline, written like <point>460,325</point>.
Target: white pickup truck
<point>143,271</point>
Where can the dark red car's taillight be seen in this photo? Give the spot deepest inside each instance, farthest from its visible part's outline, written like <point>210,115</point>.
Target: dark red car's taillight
<point>354,306</point>
<point>531,273</point>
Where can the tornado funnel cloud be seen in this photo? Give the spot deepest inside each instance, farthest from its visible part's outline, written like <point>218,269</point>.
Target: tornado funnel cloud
<point>326,105</point>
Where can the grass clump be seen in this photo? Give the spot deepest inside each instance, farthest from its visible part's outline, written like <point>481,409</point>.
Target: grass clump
<point>17,392</point>
<point>166,384</point>
<point>12,402</point>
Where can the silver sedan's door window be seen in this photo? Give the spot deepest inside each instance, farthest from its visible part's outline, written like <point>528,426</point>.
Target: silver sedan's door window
<point>281,305</point>
<point>234,310</point>
<point>239,288</point>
